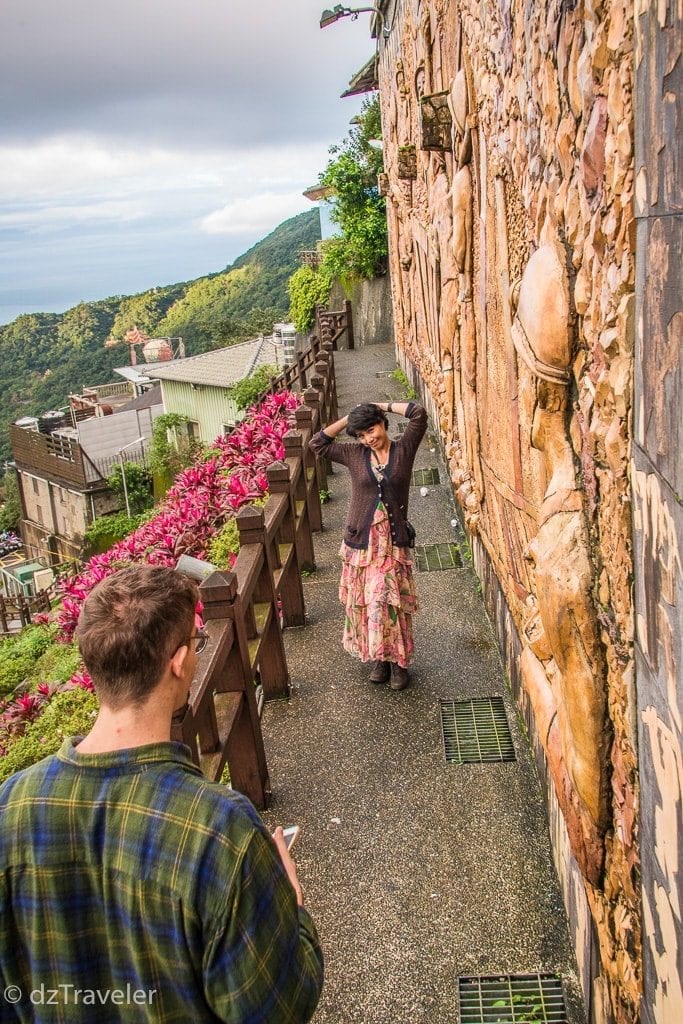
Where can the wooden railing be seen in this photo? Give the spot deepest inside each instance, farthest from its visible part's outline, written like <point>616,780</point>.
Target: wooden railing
<point>17,612</point>
<point>54,457</point>
<point>295,376</point>
<point>331,325</point>
<point>114,389</point>
<point>37,452</point>
<point>245,610</point>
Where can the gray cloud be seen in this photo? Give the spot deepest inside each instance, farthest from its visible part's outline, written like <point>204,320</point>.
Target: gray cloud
<point>215,72</point>
<point>144,142</point>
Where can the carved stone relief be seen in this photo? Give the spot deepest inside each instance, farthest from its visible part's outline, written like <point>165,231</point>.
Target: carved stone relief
<point>435,120</point>
<point>407,161</point>
<point>513,276</point>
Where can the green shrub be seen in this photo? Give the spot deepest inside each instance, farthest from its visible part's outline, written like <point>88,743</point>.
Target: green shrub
<point>18,655</point>
<point>138,485</point>
<point>224,544</point>
<point>170,455</point>
<point>105,531</point>
<point>400,376</point>
<point>307,289</point>
<point>56,665</point>
<point>359,210</point>
<point>246,391</point>
<point>227,540</point>
<point>69,713</point>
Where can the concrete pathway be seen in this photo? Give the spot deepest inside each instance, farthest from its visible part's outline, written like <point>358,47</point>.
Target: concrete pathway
<point>416,872</point>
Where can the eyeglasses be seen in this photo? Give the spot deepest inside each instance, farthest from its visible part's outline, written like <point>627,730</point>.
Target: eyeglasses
<point>201,639</point>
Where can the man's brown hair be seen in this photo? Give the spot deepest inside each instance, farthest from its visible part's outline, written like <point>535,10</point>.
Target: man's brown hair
<point>129,627</point>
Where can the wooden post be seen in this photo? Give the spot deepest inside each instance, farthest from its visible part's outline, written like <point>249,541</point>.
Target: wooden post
<point>220,723</point>
<point>312,401</point>
<point>304,419</point>
<point>319,384</point>
<point>236,713</point>
<point>349,325</point>
<point>322,371</point>
<point>290,590</point>
<point>270,659</point>
<point>304,538</point>
<point>332,382</point>
<point>318,329</point>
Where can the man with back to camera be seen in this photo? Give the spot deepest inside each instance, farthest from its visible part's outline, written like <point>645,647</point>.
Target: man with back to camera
<point>130,883</point>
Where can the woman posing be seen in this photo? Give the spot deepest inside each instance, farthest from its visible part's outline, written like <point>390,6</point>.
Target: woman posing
<point>377,587</point>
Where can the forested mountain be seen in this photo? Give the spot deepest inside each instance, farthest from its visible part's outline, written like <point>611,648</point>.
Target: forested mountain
<point>45,356</point>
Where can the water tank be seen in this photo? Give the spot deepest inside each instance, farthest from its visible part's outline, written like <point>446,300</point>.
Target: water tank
<point>157,350</point>
<point>52,420</point>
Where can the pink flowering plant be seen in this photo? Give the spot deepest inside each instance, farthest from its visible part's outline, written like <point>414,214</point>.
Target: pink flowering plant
<point>202,501</point>
<point>17,714</point>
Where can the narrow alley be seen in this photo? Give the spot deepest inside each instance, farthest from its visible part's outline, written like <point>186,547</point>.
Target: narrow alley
<point>419,873</point>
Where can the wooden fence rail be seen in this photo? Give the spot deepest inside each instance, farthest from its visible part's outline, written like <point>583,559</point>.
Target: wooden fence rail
<point>17,612</point>
<point>245,610</point>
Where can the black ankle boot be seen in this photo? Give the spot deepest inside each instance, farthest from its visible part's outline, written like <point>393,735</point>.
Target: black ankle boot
<point>399,677</point>
<point>381,672</point>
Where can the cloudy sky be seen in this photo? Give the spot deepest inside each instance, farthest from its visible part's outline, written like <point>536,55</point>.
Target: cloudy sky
<point>145,142</point>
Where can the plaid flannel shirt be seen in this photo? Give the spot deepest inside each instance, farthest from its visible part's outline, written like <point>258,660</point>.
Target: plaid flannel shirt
<point>158,896</point>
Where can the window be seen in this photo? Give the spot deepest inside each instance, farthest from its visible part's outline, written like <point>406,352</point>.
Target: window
<point>36,488</point>
<point>193,430</point>
<point>39,515</point>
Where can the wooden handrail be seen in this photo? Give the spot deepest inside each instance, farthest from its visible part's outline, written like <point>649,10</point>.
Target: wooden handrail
<point>246,610</point>
<point>19,610</point>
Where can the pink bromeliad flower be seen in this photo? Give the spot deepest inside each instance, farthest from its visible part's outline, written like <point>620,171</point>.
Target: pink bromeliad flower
<point>202,499</point>
<point>20,712</point>
<point>81,681</point>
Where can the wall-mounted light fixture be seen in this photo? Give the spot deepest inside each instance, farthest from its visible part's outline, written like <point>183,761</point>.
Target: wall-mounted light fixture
<point>328,17</point>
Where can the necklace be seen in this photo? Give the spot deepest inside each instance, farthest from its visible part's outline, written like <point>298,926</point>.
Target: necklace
<point>379,466</point>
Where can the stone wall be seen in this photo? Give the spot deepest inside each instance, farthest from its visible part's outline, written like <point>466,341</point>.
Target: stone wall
<point>372,312</point>
<point>508,134</point>
<point>55,517</point>
<point>657,476</point>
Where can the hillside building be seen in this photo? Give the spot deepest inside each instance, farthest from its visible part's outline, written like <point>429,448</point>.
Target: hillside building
<point>200,387</point>
<point>64,458</point>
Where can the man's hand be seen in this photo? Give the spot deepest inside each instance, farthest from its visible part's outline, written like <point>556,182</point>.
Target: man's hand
<point>288,864</point>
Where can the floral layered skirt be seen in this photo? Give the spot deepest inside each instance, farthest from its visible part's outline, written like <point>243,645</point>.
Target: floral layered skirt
<point>379,597</point>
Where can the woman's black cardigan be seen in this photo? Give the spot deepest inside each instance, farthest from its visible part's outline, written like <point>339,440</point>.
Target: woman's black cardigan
<point>393,487</point>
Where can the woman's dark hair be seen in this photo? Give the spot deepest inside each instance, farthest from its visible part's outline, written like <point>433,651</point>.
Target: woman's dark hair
<point>364,416</point>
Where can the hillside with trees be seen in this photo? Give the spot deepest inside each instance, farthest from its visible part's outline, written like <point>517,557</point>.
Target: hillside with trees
<point>45,356</point>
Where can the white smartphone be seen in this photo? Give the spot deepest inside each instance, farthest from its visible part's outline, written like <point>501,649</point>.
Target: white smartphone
<point>291,834</point>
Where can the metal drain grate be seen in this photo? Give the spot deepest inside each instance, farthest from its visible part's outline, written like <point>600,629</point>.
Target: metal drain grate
<point>512,999</point>
<point>424,477</point>
<point>435,557</point>
<point>476,731</point>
